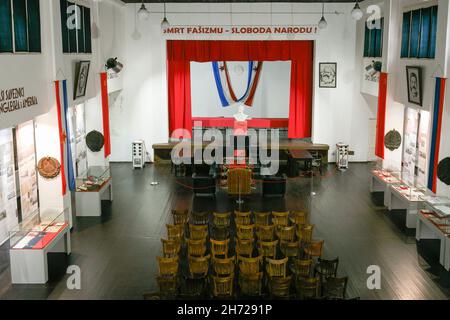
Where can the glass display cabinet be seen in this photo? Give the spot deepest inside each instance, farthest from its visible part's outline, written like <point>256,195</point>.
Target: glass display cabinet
<point>42,232</point>
<point>92,188</point>
<point>382,177</point>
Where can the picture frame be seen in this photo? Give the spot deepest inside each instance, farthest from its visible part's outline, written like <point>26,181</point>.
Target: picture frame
<point>328,75</point>
<point>81,78</point>
<point>414,85</point>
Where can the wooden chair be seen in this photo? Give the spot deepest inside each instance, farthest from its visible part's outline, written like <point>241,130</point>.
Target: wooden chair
<point>305,234</point>
<point>175,232</point>
<point>280,288</point>
<point>243,218</point>
<point>250,266</point>
<point>286,233</point>
<point>302,268</point>
<point>268,249</point>
<point>299,218</point>
<point>198,266</point>
<point>314,249</point>
<point>168,267</point>
<point>221,220</point>
<point>220,247</point>
<point>308,288</point>
<point>180,217</point>
<point>251,284</point>
<point>223,286</point>
<point>262,218</point>
<point>326,268</point>
<point>290,249</point>
<point>244,248</point>
<point>224,267</point>
<point>280,218</point>
<point>168,286</point>
<point>277,268</point>
<point>220,233</point>
<point>239,182</point>
<point>198,232</point>
<point>245,232</point>
<point>171,248</point>
<point>196,248</point>
<point>193,289</point>
<point>265,233</point>
<point>335,288</point>
<point>200,218</point>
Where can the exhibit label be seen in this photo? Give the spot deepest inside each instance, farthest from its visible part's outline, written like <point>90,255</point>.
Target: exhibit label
<point>15,99</point>
<point>241,30</point>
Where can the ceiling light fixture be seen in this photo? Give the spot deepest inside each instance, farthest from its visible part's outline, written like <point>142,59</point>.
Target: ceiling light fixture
<point>357,13</point>
<point>323,23</point>
<point>143,13</point>
<point>165,23</point>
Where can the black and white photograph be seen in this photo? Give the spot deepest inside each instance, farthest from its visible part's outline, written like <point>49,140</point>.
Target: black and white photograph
<point>414,81</point>
<point>81,78</point>
<point>328,75</point>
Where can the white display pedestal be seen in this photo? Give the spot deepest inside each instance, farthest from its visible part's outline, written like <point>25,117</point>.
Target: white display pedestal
<point>89,203</point>
<point>398,202</point>
<point>427,230</point>
<point>29,266</point>
<point>377,184</point>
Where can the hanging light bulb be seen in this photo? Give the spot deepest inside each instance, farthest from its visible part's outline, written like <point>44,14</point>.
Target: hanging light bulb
<point>357,13</point>
<point>323,23</point>
<point>165,23</point>
<point>143,13</point>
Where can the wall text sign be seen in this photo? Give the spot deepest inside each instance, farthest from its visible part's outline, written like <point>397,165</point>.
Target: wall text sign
<point>15,99</point>
<point>240,30</point>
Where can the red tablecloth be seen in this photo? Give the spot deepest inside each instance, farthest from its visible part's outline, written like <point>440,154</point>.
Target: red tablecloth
<point>273,123</point>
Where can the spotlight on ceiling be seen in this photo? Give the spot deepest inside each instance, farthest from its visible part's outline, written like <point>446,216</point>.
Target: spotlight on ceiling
<point>323,23</point>
<point>357,13</point>
<point>114,65</point>
<point>143,13</point>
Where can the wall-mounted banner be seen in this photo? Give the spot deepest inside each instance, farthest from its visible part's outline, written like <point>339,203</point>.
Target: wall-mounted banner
<point>15,99</point>
<point>241,30</point>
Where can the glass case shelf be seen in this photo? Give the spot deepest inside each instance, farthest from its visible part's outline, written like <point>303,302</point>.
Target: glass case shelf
<point>94,179</point>
<point>410,192</point>
<point>38,229</point>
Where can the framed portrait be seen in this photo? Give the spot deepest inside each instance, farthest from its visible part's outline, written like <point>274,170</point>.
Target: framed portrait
<point>327,75</point>
<point>81,78</point>
<point>414,81</point>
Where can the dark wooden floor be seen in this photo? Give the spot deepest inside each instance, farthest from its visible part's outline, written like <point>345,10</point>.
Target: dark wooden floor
<point>116,253</point>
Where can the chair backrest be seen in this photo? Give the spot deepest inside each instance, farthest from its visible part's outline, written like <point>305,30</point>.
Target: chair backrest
<point>175,232</point>
<point>199,266</point>
<point>280,218</point>
<point>280,287</point>
<point>198,232</point>
<point>299,218</point>
<point>328,268</point>
<point>196,248</point>
<point>286,233</point>
<point>180,217</point>
<point>335,288</point>
<point>219,247</point>
<point>314,248</point>
<point>168,266</point>
<point>168,286</point>
<point>268,248</point>
<point>251,284</point>
<point>262,218</point>
<point>308,288</point>
<point>223,286</point>
<point>224,267</point>
<point>239,181</point>
<point>243,218</point>
<point>265,233</point>
<point>277,268</point>
<point>302,268</point>
<point>245,232</point>
<point>290,249</point>
<point>221,219</point>
<point>220,233</point>
<point>200,218</point>
<point>244,248</point>
<point>250,266</point>
<point>171,248</point>
<point>305,233</point>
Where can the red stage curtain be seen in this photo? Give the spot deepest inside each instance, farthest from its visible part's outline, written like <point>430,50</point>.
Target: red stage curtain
<point>181,52</point>
<point>381,118</point>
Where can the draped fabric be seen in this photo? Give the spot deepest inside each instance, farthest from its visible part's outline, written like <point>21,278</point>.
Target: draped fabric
<point>381,118</point>
<point>61,137</point>
<point>436,132</point>
<point>70,171</point>
<point>180,53</point>
<point>105,113</point>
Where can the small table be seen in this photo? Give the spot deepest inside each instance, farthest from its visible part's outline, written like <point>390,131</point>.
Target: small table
<point>294,157</point>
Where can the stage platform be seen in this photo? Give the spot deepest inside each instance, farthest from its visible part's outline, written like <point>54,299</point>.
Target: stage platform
<point>163,151</point>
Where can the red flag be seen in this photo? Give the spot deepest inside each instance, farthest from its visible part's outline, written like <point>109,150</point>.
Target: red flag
<point>105,111</point>
<point>62,138</point>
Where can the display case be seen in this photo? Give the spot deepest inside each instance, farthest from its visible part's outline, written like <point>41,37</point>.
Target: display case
<point>410,192</point>
<point>38,230</point>
<point>94,179</point>
<point>386,171</point>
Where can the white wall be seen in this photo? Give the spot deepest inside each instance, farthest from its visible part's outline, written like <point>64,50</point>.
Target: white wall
<point>339,114</point>
<point>271,98</point>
